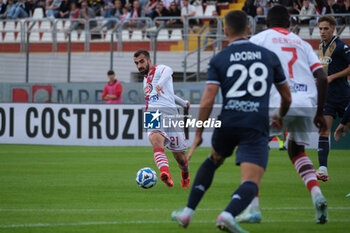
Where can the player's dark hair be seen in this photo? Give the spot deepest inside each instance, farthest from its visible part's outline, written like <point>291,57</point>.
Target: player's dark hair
<point>110,72</point>
<point>142,51</point>
<point>278,17</point>
<point>327,18</point>
<point>236,22</point>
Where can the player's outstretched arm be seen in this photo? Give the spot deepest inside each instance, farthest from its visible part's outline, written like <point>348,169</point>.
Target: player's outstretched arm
<point>286,100</point>
<point>205,109</point>
<point>322,86</point>
<point>183,103</point>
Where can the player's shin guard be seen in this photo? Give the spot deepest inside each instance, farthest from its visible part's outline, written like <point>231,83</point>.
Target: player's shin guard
<point>161,159</point>
<point>306,171</point>
<point>242,197</point>
<point>323,150</point>
<point>202,182</point>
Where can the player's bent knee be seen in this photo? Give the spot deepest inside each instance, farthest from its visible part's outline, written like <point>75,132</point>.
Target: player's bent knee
<point>217,159</point>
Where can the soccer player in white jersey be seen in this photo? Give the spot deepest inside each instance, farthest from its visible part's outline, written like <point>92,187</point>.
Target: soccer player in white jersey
<point>160,97</point>
<point>301,65</point>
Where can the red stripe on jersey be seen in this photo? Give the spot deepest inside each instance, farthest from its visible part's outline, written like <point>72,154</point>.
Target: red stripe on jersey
<point>163,70</point>
<point>281,30</point>
<point>314,66</point>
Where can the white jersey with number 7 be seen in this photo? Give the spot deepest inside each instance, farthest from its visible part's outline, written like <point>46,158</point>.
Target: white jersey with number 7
<point>299,61</point>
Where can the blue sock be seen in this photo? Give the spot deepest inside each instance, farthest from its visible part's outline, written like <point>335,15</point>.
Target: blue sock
<point>323,150</point>
<point>242,197</point>
<point>202,182</point>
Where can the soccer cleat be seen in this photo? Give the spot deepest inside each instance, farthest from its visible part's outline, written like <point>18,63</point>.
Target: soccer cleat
<point>179,217</point>
<point>166,178</point>
<point>185,183</point>
<point>322,175</point>
<point>321,209</point>
<point>250,215</point>
<point>228,225</point>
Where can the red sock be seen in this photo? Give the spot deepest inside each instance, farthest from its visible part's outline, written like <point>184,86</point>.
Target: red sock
<point>161,159</point>
<point>306,170</point>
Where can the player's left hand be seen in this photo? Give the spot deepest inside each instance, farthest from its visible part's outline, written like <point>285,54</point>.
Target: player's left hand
<point>197,141</point>
<point>330,78</point>
<point>159,90</point>
<point>187,105</point>
<point>341,129</point>
<point>320,123</point>
<point>277,122</point>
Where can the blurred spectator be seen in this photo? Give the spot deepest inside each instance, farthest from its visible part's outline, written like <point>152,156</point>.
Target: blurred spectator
<point>213,30</point>
<point>21,10</point>
<point>263,4</point>
<point>174,11</point>
<point>306,12</point>
<point>189,10</point>
<point>260,22</point>
<point>321,9</point>
<point>84,13</point>
<point>53,9</point>
<point>108,8</point>
<point>249,8</point>
<point>2,8</point>
<point>96,6</point>
<point>117,15</point>
<point>339,8</point>
<point>74,11</point>
<point>136,12</point>
<point>64,9</point>
<point>150,8</point>
<point>160,11</point>
<point>112,92</point>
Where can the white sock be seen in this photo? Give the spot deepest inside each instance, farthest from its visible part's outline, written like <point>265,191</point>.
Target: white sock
<point>226,215</point>
<point>255,202</point>
<point>188,212</point>
<point>314,192</point>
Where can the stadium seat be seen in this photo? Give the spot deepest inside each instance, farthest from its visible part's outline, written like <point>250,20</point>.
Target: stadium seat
<point>199,10</point>
<point>38,13</point>
<point>176,34</point>
<point>209,10</point>
<point>163,35</point>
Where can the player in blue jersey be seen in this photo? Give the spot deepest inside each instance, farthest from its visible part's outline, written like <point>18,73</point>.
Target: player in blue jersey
<point>345,123</point>
<point>245,73</point>
<point>335,58</point>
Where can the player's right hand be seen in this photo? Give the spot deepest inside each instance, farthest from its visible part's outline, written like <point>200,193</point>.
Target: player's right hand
<point>341,129</point>
<point>159,90</point>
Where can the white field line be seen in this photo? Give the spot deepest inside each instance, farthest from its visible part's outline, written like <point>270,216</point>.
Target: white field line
<point>32,225</point>
<point>158,209</point>
<point>85,151</point>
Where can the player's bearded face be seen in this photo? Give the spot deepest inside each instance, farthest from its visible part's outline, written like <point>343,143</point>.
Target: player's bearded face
<point>142,64</point>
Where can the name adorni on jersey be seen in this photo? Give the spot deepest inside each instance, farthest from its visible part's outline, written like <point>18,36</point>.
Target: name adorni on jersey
<point>245,55</point>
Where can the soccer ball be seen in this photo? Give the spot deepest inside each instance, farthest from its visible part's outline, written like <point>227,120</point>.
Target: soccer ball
<point>146,178</point>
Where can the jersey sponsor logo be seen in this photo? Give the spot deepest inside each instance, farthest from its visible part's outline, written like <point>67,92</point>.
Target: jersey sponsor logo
<point>152,120</point>
<point>242,106</point>
<point>153,98</point>
<point>346,49</point>
<point>298,87</point>
<point>325,60</point>
<point>148,89</point>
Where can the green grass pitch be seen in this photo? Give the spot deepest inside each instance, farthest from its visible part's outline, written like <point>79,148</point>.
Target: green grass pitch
<point>46,189</point>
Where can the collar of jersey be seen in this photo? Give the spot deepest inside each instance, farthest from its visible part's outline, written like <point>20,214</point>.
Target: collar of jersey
<point>239,41</point>
<point>284,31</point>
<point>331,42</point>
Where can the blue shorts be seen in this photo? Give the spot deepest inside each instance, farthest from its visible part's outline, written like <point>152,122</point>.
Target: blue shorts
<point>332,109</point>
<point>252,145</point>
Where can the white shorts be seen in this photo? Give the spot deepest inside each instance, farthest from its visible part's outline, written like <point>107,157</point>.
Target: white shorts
<point>175,139</point>
<point>299,129</point>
